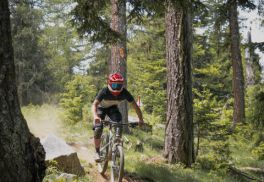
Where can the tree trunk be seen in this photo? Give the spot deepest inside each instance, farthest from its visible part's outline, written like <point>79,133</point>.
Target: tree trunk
<point>250,80</point>
<point>238,78</point>
<point>217,31</point>
<point>118,50</point>
<point>179,127</point>
<point>22,157</point>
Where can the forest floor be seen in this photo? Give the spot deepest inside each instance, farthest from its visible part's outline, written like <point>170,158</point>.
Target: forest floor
<point>44,121</point>
<point>148,165</point>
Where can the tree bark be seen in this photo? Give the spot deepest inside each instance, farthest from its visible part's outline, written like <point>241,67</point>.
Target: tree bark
<point>179,127</point>
<point>238,77</point>
<point>22,157</point>
<point>118,61</point>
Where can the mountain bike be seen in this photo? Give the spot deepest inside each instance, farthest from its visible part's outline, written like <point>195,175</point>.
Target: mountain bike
<point>112,149</point>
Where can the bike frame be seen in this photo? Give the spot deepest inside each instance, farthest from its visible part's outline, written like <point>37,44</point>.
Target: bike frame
<point>114,138</point>
<point>113,147</point>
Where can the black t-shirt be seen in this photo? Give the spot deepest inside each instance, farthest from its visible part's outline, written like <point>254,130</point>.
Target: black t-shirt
<point>107,99</point>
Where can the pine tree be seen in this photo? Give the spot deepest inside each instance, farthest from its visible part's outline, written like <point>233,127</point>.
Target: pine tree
<point>238,77</point>
<point>64,49</point>
<point>179,128</point>
<point>29,56</point>
<point>22,157</point>
<point>118,61</point>
<point>147,62</point>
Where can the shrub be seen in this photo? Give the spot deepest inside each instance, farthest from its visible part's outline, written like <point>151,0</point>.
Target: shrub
<point>259,151</point>
<point>255,99</point>
<point>78,94</point>
<point>212,119</point>
<point>206,162</point>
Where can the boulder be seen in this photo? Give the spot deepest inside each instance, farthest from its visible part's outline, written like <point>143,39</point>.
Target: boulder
<point>65,157</point>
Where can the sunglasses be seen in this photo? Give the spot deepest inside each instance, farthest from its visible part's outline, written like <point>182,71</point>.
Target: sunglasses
<point>116,86</point>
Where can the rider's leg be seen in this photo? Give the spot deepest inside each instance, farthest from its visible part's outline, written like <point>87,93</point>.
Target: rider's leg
<point>98,130</point>
<point>115,115</point>
<point>97,139</point>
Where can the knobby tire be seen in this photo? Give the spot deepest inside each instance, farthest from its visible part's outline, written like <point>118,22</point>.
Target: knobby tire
<point>102,166</point>
<point>116,176</point>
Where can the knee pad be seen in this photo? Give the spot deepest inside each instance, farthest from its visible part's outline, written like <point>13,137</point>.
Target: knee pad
<point>98,130</point>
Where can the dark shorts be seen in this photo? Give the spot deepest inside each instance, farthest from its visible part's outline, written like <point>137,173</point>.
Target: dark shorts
<point>112,112</point>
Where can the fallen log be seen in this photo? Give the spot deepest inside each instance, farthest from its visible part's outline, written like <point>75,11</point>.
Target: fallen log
<point>253,169</point>
<point>237,171</point>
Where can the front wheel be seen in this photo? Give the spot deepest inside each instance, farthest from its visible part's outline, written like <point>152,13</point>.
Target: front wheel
<point>102,166</point>
<point>117,167</point>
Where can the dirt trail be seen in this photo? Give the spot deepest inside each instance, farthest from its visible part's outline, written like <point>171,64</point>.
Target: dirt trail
<point>45,120</point>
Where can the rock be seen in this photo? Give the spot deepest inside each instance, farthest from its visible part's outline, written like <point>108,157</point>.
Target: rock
<point>67,177</point>
<point>66,158</point>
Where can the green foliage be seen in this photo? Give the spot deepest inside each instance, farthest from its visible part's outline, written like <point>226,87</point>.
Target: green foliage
<point>98,67</point>
<point>50,53</point>
<point>52,172</point>
<point>64,50</point>
<point>96,21</point>
<point>216,156</point>
<point>78,93</point>
<point>151,166</point>
<point>31,67</point>
<point>46,48</point>
<point>211,61</point>
<point>54,175</point>
<point>244,147</point>
<point>212,145</point>
<point>205,108</point>
<point>147,68</point>
<point>211,69</point>
<point>259,151</point>
<point>255,99</point>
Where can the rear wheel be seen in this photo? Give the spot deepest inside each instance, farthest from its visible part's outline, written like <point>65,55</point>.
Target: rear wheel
<point>102,166</point>
<point>117,167</point>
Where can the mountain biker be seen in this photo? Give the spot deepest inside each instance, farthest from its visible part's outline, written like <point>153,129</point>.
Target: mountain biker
<point>106,103</point>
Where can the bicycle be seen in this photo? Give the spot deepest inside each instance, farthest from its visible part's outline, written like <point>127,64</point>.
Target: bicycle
<point>112,149</point>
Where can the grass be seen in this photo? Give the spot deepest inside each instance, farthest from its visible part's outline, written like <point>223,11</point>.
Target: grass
<point>241,145</point>
<point>148,165</point>
<point>151,166</point>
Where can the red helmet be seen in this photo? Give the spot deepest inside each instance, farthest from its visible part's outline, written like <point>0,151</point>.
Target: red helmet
<point>115,83</point>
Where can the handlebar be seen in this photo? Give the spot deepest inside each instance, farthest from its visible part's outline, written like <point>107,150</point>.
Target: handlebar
<point>113,123</point>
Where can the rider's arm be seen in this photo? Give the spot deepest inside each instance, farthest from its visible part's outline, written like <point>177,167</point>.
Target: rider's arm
<point>138,111</point>
<point>94,111</point>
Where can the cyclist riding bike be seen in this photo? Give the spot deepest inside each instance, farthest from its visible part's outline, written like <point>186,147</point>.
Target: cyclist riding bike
<point>106,103</point>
